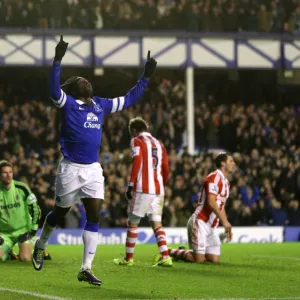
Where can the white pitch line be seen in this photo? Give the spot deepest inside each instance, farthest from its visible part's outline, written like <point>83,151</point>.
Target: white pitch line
<point>278,257</point>
<point>49,297</point>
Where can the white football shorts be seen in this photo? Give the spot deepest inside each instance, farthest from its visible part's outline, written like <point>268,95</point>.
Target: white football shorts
<point>76,181</point>
<point>147,204</point>
<point>203,239</point>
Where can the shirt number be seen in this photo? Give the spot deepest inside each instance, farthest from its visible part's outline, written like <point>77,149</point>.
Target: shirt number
<point>154,157</point>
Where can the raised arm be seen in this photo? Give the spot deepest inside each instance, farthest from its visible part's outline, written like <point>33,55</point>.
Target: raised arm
<point>58,96</point>
<point>119,103</point>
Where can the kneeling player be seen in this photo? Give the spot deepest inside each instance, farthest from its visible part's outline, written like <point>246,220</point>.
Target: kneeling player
<point>19,215</point>
<point>149,175</point>
<point>203,238</point>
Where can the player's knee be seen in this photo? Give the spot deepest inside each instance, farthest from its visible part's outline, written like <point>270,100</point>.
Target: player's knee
<point>133,220</point>
<point>215,260</point>
<point>199,258</point>
<point>156,224</point>
<point>212,258</point>
<point>93,217</point>
<point>25,257</point>
<point>57,216</point>
<point>189,257</point>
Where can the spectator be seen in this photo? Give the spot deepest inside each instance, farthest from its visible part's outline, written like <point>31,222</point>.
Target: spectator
<point>294,213</point>
<point>278,216</point>
<point>263,19</point>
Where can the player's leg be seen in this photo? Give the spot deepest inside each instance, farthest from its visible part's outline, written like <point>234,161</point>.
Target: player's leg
<point>213,255</point>
<point>67,185</point>
<point>91,194</point>
<point>198,238</point>
<point>90,238</point>
<point>53,218</point>
<point>181,253</point>
<point>197,243</point>
<point>90,233</point>
<point>131,239</point>
<point>25,251</point>
<point>6,245</point>
<point>155,215</point>
<point>213,249</point>
<point>137,208</point>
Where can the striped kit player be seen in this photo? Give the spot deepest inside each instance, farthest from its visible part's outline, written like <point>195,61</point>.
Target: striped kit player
<point>203,239</point>
<point>146,189</point>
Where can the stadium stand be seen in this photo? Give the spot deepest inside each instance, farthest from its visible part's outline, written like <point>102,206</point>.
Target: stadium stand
<point>180,15</point>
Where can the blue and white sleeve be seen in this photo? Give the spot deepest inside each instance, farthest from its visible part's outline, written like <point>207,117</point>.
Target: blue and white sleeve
<point>57,95</point>
<point>119,103</point>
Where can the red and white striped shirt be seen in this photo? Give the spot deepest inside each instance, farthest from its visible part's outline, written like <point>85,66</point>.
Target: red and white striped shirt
<point>150,168</point>
<point>217,184</point>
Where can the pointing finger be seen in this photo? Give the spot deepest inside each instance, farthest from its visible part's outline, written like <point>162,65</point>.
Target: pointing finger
<point>61,38</point>
<point>148,56</point>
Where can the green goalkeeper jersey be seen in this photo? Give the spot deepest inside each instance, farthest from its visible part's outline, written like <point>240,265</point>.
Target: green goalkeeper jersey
<point>18,208</point>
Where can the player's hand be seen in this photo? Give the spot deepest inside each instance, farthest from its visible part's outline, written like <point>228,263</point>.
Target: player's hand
<point>228,232</point>
<point>33,233</point>
<point>149,66</point>
<point>129,193</point>
<point>229,236</point>
<point>60,49</point>
<point>24,237</point>
<point>1,241</point>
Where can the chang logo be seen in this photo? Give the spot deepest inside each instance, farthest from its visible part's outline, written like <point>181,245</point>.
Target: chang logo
<point>90,119</point>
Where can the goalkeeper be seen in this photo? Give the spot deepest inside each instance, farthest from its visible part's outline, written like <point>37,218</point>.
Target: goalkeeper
<point>19,215</point>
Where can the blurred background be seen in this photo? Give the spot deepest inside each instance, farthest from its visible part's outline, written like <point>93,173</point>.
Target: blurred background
<point>240,62</point>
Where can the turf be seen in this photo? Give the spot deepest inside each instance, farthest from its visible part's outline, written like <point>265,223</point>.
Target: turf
<point>243,273</point>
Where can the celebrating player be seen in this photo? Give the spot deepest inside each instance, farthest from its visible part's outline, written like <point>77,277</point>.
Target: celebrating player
<point>79,174</point>
<point>19,215</point>
<point>145,193</point>
<point>203,239</point>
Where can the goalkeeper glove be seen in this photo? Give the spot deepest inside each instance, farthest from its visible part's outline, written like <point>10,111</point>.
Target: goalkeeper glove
<point>1,241</point>
<point>24,237</point>
<point>60,49</point>
<point>33,233</point>
<point>149,66</point>
<point>129,192</point>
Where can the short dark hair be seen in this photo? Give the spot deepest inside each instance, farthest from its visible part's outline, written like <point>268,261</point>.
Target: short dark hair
<point>5,163</point>
<point>221,157</point>
<point>138,124</point>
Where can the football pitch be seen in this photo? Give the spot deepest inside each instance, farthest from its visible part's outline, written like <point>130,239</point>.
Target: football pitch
<point>247,271</point>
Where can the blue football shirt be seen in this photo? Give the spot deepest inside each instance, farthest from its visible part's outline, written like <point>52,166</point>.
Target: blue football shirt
<point>81,124</point>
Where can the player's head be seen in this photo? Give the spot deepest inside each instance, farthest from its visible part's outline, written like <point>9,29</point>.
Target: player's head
<point>78,87</point>
<point>224,161</point>
<point>137,126</point>
<point>6,172</point>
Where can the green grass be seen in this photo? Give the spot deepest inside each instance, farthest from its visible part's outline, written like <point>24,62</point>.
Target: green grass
<point>243,273</point>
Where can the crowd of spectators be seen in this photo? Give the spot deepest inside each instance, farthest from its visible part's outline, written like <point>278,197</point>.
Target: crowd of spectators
<point>264,139</point>
<point>186,15</point>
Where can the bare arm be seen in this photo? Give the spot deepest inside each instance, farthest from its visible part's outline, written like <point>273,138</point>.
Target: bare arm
<point>212,202</point>
<point>220,214</point>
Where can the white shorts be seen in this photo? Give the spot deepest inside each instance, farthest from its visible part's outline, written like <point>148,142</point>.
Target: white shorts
<point>76,181</point>
<point>202,238</point>
<point>147,204</point>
